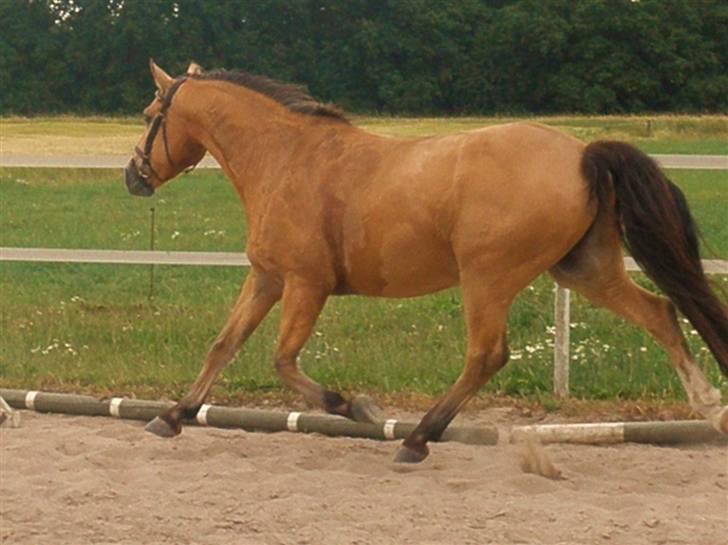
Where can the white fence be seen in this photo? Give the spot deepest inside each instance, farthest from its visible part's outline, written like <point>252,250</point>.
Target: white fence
<point>230,259</point>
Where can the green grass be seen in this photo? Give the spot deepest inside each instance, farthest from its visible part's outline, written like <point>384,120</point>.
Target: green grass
<point>94,327</point>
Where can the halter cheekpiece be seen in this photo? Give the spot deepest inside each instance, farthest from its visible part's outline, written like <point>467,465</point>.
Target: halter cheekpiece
<point>158,121</point>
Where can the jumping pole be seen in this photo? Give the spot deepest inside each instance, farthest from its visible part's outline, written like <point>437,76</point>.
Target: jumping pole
<point>246,419</point>
<point>666,433</point>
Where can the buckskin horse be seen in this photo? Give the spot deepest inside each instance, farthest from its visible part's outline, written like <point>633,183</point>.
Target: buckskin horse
<point>334,210</point>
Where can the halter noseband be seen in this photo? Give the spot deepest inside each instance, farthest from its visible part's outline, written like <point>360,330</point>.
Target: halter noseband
<point>158,121</point>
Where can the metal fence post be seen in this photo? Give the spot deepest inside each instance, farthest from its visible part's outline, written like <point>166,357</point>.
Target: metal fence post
<point>561,342</point>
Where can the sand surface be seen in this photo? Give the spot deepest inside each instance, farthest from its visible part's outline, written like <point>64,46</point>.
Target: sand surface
<point>87,480</point>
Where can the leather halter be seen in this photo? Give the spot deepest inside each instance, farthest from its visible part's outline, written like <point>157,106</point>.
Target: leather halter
<point>159,121</point>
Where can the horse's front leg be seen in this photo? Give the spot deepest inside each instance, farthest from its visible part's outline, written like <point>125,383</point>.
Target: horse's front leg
<point>258,294</point>
<point>301,305</point>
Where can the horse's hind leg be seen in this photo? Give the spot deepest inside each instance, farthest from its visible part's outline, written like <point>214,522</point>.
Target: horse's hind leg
<point>256,298</point>
<point>302,303</point>
<point>487,352</point>
<point>595,268</point>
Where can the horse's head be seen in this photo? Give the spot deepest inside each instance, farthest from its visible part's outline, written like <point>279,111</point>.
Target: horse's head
<point>166,148</point>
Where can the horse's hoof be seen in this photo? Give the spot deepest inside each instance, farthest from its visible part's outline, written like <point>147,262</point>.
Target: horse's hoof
<point>406,455</point>
<point>161,428</point>
<point>720,422</point>
<point>364,409</point>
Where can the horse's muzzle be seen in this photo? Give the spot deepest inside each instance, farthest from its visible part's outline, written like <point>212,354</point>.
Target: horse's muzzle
<point>135,182</point>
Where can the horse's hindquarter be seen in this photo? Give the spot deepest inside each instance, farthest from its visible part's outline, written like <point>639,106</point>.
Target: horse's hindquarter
<point>506,202</point>
<point>522,202</point>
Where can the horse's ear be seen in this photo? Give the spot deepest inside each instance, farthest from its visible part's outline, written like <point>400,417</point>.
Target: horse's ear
<point>194,69</point>
<point>161,79</point>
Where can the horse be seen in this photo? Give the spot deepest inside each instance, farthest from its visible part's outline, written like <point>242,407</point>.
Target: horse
<point>334,210</point>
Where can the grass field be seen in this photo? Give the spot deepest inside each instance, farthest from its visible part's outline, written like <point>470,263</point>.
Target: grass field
<point>95,328</point>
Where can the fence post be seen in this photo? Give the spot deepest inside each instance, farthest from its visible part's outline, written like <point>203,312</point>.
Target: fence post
<point>152,232</point>
<point>561,342</point>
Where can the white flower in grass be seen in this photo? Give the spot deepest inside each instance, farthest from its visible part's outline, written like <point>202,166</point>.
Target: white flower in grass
<point>643,349</point>
<point>175,234</point>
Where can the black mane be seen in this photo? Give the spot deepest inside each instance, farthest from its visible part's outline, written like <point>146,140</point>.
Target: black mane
<point>294,97</point>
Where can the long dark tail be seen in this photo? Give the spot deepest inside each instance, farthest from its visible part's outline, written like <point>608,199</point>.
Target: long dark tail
<point>660,233</point>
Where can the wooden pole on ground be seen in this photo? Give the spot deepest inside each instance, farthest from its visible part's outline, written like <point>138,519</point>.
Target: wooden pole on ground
<point>667,433</point>
<point>247,419</point>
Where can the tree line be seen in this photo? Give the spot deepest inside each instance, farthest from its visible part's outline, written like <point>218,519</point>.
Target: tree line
<point>423,57</point>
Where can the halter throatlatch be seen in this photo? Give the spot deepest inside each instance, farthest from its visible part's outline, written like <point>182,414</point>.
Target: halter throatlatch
<point>159,121</point>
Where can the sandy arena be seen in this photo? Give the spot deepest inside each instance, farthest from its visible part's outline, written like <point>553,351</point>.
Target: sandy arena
<point>81,480</point>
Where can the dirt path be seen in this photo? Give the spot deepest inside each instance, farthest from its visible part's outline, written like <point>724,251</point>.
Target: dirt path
<point>75,480</point>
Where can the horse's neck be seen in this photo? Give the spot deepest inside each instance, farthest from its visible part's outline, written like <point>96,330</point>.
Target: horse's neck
<point>243,136</point>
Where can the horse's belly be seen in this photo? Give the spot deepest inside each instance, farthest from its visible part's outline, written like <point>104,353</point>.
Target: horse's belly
<point>400,262</point>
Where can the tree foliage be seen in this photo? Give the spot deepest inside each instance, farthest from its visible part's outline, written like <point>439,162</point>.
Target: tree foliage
<point>388,56</point>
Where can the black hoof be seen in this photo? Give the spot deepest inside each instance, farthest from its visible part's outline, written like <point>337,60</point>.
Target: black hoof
<point>407,455</point>
<point>161,428</point>
<point>364,409</point>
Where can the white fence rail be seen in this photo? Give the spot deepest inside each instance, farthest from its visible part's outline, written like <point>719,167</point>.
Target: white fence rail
<point>231,259</point>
